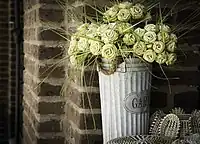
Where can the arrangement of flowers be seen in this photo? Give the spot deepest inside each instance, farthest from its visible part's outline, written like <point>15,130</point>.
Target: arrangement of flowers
<point>124,31</point>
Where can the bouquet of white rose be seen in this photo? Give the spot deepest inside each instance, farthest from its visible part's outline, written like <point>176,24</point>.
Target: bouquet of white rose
<point>121,35</point>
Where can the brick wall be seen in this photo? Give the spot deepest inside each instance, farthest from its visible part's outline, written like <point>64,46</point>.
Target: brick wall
<point>11,65</point>
<point>83,114</point>
<point>75,118</point>
<point>43,105</point>
<point>3,70</point>
<point>12,46</point>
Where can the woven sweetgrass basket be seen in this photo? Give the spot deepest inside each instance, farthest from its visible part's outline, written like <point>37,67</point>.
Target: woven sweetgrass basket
<point>174,128</point>
<point>141,139</point>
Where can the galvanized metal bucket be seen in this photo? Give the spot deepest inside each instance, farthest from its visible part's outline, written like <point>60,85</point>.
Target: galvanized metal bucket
<point>125,97</point>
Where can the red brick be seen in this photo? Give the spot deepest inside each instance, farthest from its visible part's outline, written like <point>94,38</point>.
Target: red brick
<point>42,89</point>
<point>51,15</point>
<point>44,70</point>
<point>53,140</point>
<point>47,140</point>
<point>78,138</point>
<point>51,108</point>
<point>90,77</point>
<point>48,1</point>
<point>83,120</point>
<point>84,99</point>
<point>44,107</point>
<point>48,35</point>
<point>41,126</point>
<point>42,52</point>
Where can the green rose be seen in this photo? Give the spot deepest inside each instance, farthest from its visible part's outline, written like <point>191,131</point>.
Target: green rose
<point>149,46</point>
<point>139,48</point>
<point>109,51</point>
<point>139,32</point>
<point>83,27</point>
<point>125,5</point>
<point>140,5</point>
<point>172,57</point>
<point>161,58</point>
<point>77,60</point>
<point>123,28</point>
<point>102,28</point>
<point>110,36</point>
<point>150,37</point>
<point>73,60</point>
<point>96,47</point>
<point>149,55</point>
<point>163,36</point>
<point>164,28</point>
<point>83,44</point>
<point>171,46</point>
<point>158,46</point>
<point>92,30</point>
<point>151,27</point>
<point>173,37</point>
<point>111,14</point>
<point>124,15</point>
<point>72,45</point>
<point>129,39</point>
<point>137,12</point>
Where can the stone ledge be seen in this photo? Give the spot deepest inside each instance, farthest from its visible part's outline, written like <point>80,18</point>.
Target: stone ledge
<point>77,136</point>
<point>85,88</point>
<point>45,126</point>
<point>55,106</point>
<point>44,70</point>
<point>84,100</point>
<point>36,80</point>
<point>81,110</point>
<point>41,52</point>
<point>84,119</point>
<point>43,138</point>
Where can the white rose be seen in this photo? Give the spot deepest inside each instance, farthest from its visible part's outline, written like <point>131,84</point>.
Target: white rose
<point>163,36</point>
<point>139,48</point>
<point>96,47</point>
<point>111,14</point>
<point>83,44</point>
<point>172,57</point>
<point>124,15</point>
<point>139,32</point>
<point>110,36</point>
<point>109,51</point>
<point>158,46</point>
<point>171,46</point>
<point>123,28</point>
<point>161,58</point>
<point>150,37</point>
<point>151,27</point>
<point>164,28</point>
<point>72,46</point>
<point>173,37</point>
<point>92,30</point>
<point>149,55</point>
<point>129,39</point>
<point>125,5</point>
<point>137,12</point>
